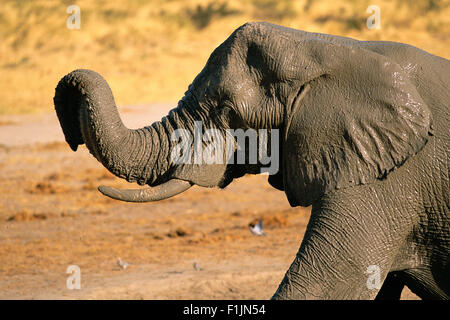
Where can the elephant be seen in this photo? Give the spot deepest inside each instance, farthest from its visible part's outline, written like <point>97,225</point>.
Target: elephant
<point>364,140</point>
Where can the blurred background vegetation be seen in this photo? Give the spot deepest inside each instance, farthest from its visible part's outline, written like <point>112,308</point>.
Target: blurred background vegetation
<point>150,50</point>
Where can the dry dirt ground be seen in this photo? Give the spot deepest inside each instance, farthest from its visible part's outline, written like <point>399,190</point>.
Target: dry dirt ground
<point>52,216</point>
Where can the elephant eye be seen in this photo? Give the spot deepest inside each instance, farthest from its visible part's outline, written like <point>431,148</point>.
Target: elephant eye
<point>224,107</point>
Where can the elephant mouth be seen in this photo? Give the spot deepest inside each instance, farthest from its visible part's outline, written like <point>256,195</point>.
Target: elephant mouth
<point>160,192</point>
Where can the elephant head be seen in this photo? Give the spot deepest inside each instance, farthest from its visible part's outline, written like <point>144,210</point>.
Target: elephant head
<point>347,116</point>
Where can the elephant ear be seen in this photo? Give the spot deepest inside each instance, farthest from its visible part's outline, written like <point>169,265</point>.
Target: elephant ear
<point>361,118</point>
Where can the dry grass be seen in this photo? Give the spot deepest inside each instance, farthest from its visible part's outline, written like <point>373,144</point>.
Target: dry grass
<point>149,51</point>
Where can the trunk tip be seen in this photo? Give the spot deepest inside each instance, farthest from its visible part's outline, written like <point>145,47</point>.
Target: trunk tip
<point>73,146</point>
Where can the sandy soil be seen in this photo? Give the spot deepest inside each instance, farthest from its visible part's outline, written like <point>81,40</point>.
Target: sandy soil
<point>52,216</point>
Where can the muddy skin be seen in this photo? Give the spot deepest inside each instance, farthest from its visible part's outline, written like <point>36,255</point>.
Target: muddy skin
<point>364,141</point>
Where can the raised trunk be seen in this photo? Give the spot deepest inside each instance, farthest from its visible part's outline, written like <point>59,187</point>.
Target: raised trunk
<point>88,114</point>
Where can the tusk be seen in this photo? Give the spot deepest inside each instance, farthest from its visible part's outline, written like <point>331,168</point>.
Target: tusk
<point>163,191</point>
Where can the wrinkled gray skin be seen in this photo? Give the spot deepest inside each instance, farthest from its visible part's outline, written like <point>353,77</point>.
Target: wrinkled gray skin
<point>367,147</point>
